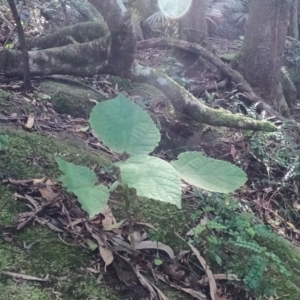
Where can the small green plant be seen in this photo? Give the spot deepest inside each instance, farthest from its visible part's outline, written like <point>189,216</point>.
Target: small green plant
<point>3,141</point>
<point>126,128</point>
<point>231,241</point>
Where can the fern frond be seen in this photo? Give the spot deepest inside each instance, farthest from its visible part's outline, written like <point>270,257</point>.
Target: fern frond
<point>157,18</point>
<point>256,272</point>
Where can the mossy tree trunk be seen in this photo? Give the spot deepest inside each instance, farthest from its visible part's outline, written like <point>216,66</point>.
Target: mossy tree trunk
<point>293,25</point>
<point>193,26</point>
<point>260,58</point>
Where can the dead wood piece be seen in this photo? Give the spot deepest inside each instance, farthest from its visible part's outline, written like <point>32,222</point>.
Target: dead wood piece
<point>23,276</point>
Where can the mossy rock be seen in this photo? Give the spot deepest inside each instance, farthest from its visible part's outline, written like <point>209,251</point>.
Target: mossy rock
<point>70,96</point>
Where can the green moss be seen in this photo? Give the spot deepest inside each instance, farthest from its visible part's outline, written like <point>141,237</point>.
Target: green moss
<point>71,97</point>
<point>286,287</point>
<point>128,85</point>
<point>23,291</point>
<point>32,156</point>
<point>166,218</point>
<point>12,106</point>
<point>65,266</point>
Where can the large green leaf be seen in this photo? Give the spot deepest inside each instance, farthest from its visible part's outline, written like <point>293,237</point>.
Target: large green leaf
<point>75,176</point>
<point>93,199</point>
<point>152,178</point>
<point>81,181</point>
<point>208,173</point>
<point>124,126</point>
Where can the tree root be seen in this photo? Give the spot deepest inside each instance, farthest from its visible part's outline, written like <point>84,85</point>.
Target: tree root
<point>243,86</point>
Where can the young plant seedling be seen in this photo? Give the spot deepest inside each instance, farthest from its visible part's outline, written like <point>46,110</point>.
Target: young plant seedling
<point>125,127</point>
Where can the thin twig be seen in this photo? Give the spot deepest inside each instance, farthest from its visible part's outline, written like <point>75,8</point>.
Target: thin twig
<point>22,225</point>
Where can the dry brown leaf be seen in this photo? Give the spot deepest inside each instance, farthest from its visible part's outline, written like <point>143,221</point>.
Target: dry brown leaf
<point>106,255</point>
<point>108,217</point>
<point>50,182</point>
<point>173,271</point>
<point>92,270</point>
<point>24,182</point>
<point>155,245</point>
<point>121,245</point>
<point>18,196</point>
<point>114,226</point>
<point>212,282</point>
<point>139,236</point>
<point>195,294</point>
<point>41,180</point>
<point>155,292</point>
<point>76,222</point>
<point>47,193</point>
<point>30,121</point>
<point>32,201</point>
<point>233,151</point>
<point>53,227</point>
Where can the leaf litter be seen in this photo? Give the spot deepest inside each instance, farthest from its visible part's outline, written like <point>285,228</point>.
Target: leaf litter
<point>50,207</point>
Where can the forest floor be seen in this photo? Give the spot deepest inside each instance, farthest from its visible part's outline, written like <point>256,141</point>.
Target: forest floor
<point>55,246</point>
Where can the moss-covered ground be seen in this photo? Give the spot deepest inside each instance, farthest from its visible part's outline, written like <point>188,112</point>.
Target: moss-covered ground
<point>36,250</point>
<point>32,156</point>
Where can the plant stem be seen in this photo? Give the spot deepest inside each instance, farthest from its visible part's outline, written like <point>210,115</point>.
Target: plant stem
<point>128,212</point>
<point>3,205</point>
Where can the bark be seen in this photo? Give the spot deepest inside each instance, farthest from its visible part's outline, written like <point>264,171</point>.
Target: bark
<point>75,59</point>
<point>298,10</point>
<point>293,24</point>
<point>121,50</point>
<point>193,26</point>
<point>145,9</point>
<point>24,50</point>
<point>79,33</point>
<point>260,58</point>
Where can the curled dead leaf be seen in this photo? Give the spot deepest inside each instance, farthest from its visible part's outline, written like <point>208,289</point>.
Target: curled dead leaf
<point>30,121</point>
<point>155,245</point>
<point>211,279</point>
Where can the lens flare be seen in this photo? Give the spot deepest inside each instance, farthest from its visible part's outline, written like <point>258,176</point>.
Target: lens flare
<point>174,9</point>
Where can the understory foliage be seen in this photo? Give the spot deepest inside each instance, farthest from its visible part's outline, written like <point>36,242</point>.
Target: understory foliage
<point>275,164</point>
<point>231,240</point>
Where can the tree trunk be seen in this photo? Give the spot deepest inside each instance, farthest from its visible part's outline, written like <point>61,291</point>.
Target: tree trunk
<point>293,25</point>
<point>193,26</point>
<point>260,58</point>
